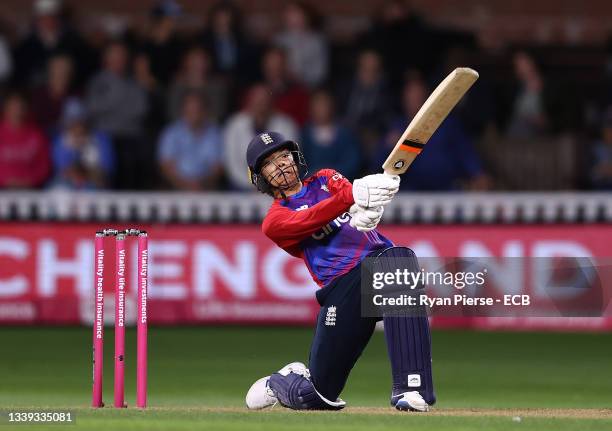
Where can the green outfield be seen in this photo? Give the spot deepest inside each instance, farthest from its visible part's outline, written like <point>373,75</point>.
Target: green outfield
<point>198,378</point>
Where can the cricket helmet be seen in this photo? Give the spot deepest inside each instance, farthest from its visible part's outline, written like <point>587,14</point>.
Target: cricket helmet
<point>264,144</point>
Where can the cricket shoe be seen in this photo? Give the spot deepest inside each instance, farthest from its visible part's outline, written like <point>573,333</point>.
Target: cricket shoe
<point>410,401</point>
<point>295,367</point>
<point>260,396</point>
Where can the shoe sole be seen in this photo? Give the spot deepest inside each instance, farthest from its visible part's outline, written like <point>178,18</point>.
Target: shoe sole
<point>406,407</point>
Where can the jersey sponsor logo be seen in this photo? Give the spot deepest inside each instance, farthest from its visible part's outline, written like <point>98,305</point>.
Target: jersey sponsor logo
<point>332,226</point>
<point>266,139</point>
<point>337,177</point>
<point>303,207</point>
<point>330,317</point>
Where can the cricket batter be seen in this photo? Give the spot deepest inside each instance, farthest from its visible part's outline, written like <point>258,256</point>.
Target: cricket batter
<point>331,224</point>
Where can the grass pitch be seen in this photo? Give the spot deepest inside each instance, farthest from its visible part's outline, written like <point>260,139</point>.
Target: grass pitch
<point>198,378</point>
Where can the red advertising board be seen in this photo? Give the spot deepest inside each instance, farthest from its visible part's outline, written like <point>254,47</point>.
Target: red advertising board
<point>233,274</point>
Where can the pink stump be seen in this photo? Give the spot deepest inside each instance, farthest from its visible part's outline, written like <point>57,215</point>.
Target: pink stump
<point>98,322</point>
<point>141,323</point>
<point>120,321</point>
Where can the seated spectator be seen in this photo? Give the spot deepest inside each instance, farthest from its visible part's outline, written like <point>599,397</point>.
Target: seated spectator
<point>48,100</point>
<point>6,59</point>
<point>601,169</point>
<point>49,35</point>
<point>288,96</point>
<point>82,159</point>
<point>306,48</point>
<point>366,103</point>
<point>258,116</point>
<point>529,117</point>
<point>117,105</point>
<point>163,46</point>
<point>190,149</point>
<point>399,26</point>
<point>24,150</point>
<point>156,100</point>
<point>194,75</point>
<point>327,143</point>
<point>449,161</point>
<point>232,56</point>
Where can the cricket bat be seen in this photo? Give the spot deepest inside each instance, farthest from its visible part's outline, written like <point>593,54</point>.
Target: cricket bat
<point>428,119</point>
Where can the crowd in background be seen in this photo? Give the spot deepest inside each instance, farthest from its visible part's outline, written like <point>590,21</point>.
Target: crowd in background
<point>169,109</point>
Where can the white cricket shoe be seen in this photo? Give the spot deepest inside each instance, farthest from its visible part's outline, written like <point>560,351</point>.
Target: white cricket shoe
<point>295,367</point>
<point>411,401</point>
<point>260,396</point>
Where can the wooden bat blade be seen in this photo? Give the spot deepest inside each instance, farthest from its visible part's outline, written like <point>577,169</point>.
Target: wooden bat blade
<point>435,109</point>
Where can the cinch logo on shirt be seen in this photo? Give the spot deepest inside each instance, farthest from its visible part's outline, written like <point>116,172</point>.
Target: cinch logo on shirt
<point>330,227</point>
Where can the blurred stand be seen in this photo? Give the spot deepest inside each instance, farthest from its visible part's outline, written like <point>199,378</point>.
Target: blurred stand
<point>545,86</point>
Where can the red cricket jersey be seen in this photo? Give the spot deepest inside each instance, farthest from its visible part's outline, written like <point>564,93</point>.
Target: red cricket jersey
<point>314,225</point>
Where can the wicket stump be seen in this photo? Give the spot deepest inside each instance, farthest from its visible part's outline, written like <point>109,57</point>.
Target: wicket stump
<point>141,320</point>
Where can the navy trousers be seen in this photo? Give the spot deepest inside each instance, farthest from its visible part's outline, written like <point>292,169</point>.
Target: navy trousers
<point>341,335</point>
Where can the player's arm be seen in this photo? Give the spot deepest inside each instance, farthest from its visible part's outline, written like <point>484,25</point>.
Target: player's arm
<point>370,195</point>
<point>288,227</point>
<point>370,191</point>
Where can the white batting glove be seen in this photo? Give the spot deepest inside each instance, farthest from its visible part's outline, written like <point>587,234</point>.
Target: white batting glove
<point>375,190</point>
<point>365,219</point>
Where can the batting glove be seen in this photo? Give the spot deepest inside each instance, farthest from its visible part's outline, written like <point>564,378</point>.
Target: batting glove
<point>375,190</point>
<point>365,219</point>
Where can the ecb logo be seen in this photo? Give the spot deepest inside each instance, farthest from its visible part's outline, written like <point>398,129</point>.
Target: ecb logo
<point>267,139</point>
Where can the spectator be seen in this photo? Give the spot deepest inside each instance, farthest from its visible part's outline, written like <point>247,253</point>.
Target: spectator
<point>608,70</point>
<point>529,117</point>
<point>24,150</point>
<point>82,159</point>
<point>288,97</point>
<point>6,60</point>
<point>258,116</point>
<point>449,161</point>
<point>49,36</point>
<point>232,56</point>
<point>48,101</point>
<point>190,149</point>
<point>477,108</point>
<point>118,106</point>
<point>195,75</point>
<point>601,169</point>
<point>307,48</point>
<point>155,94</point>
<point>327,143</point>
<point>366,102</point>
<point>163,46</point>
<point>398,28</point>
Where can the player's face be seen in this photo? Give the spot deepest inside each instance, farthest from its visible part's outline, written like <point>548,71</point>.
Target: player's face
<point>280,170</point>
